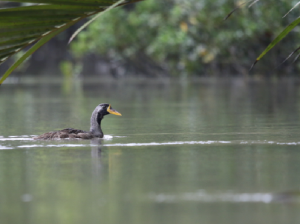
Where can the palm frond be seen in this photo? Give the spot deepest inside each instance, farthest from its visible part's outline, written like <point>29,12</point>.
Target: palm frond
<point>292,9</point>
<point>283,34</point>
<point>22,26</point>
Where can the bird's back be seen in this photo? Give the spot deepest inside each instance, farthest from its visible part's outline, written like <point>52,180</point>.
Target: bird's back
<point>66,133</point>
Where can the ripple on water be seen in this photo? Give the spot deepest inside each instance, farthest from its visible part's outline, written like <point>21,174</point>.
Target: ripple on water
<point>51,146</point>
<point>4,147</point>
<point>170,143</point>
<point>27,138</point>
<point>15,139</point>
<point>203,196</point>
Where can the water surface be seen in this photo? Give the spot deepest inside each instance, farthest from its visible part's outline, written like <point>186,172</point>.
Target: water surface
<point>198,151</point>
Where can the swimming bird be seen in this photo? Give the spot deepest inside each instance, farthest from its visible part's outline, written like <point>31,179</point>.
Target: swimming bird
<point>95,129</point>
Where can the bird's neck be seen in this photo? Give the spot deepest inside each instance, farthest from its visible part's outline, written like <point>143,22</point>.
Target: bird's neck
<point>95,128</point>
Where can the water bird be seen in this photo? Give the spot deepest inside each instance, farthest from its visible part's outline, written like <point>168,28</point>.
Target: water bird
<point>95,129</point>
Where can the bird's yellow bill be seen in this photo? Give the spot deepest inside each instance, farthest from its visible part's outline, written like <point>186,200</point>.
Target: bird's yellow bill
<point>112,111</point>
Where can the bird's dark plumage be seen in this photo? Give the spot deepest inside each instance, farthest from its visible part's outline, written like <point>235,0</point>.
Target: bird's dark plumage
<point>95,129</point>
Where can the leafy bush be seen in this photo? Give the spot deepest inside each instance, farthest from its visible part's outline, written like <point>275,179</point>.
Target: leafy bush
<point>184,37</point>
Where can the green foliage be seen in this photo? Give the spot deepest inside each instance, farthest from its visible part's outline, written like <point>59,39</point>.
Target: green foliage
<point>189,36</point>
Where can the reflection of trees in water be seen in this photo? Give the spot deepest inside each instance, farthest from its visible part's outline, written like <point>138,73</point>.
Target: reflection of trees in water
<point>267,97</point>
<point>199,104</point>
<point>249,101</point>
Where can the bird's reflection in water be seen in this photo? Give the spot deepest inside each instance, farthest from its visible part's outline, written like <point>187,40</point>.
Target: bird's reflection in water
<point>96,145</point>
<point>96,160</point>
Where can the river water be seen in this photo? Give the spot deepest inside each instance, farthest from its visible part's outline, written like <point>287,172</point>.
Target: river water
<point>196,151</point>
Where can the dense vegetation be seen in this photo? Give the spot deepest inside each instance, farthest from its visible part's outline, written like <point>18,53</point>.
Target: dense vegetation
<point>188,37</point>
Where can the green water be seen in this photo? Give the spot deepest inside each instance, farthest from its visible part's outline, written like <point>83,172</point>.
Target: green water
<point>188,152</point>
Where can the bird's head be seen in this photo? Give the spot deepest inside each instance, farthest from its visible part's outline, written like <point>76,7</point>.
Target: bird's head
<point>105,109</point>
